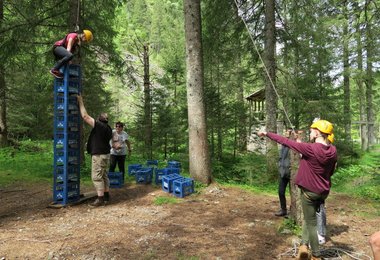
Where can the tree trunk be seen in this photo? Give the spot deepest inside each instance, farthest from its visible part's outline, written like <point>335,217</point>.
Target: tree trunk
<point>219,125</point>
<point>346,78</point>
<point>360,84</point>
<point>295,200</point>
<point>199,161</point>
<point>241,113</point>
<point>3,91</point>
<point>147,106</point>
<point>73,19</point>
<point>369,79</point>
<point>270,79</point>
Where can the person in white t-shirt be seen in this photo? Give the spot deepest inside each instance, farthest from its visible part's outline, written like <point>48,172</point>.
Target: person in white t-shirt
<point>119,147</point>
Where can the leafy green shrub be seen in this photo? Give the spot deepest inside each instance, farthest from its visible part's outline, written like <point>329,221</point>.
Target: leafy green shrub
<point>247,169</point>
<point>361,179</point>
<point>289,225</point>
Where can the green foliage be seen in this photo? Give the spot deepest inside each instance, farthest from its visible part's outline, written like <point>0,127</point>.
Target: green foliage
<point>165,200</point>
<point>361,179</point>
<point>247,169</point>
<point>29,161</point>
<point>289,225</point>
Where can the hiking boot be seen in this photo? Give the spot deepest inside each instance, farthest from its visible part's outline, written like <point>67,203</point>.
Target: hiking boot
<point>303,253</point>
<point>281,213</point>
<point>98,202</point>
<point>56,73</point>
<point>106,197</point>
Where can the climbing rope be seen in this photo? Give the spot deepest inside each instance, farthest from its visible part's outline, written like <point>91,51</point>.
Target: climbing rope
<point>332,253</point>
<point>265,67</point>
<point>78,14</point>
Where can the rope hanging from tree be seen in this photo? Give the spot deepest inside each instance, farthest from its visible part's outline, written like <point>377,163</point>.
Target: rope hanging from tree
<point>265,67</point>
<point>77,21</point>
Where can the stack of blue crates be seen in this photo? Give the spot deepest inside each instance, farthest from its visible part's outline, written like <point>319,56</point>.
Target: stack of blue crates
<point>167,181</point>
<point>66,184</point>
<point>159,173</point>
<point>174,183</point>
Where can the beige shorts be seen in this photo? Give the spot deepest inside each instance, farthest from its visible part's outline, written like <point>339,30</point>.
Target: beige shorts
<point>99,170</point>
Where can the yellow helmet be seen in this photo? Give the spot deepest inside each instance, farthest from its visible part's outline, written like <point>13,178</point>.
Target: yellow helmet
<point>88,35</point>
<point>330,137</point>
<point>323,126</point>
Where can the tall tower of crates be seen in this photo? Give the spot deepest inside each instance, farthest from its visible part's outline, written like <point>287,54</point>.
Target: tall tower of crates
<point>66,186</point>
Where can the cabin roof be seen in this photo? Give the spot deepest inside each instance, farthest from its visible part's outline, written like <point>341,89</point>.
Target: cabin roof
<point>258,95</point>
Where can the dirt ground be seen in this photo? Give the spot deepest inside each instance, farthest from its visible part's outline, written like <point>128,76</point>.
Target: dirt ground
<point>216,223</point>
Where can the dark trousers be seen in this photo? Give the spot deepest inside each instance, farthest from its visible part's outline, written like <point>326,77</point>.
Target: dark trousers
<point>282,183</point>
<point>62,56</point>
<point>120,160</point>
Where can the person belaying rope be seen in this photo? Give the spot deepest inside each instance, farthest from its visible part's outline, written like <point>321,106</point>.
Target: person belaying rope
<point>65,48</point>
<point>317,165</point>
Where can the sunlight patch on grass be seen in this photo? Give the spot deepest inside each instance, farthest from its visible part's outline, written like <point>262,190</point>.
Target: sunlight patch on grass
<point>165,200</point>
<point>265,190</point>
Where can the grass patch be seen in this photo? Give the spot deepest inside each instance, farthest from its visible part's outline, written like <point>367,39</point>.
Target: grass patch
<point>29,161</point>
<point>269,189</point>
<point>165,200</point>
<point>288,225</point>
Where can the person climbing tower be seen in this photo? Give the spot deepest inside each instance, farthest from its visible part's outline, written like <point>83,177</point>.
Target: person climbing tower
<point>65,48</point>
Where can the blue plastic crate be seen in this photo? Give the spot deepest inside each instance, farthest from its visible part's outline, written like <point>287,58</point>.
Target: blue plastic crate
<point>132,168</point>
<point>152,163</point>
<point>183,187</point>
<point>159,173</point>
<point>167,182</point>
<point>174,164</point>
<point>174,170</point>
<point>116,179</point>
<point>144,175</point>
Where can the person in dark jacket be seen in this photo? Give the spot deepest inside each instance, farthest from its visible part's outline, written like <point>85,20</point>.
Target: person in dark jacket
<point>317,165</point>
<point>284,177</point>
<point>98,146</point>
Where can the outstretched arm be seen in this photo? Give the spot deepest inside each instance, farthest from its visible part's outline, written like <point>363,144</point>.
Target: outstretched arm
<point>86,117</point>
<point>302,148</point>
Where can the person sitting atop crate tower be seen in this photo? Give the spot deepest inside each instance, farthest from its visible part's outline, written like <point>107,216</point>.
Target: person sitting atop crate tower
<point>65,48</point>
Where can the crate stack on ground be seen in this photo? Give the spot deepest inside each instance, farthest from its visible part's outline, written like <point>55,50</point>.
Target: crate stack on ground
<point>66,183</point>
<point>176,184</point>
<point>159,173</point>
<point>168,178</point>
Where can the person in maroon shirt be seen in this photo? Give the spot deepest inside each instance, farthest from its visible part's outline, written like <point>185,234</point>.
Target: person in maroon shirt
<point>63,49</point>
<point>317,165</point>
